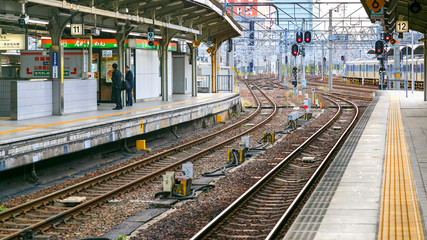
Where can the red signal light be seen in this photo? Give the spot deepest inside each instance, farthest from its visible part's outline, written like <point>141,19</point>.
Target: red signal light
<point>295,50</point>
<point>299,37</point>
<point>307,36</point>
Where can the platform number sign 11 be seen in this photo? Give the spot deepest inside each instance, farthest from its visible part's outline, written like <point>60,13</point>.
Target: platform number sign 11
<point>76,29</point>
<point>402,26</point>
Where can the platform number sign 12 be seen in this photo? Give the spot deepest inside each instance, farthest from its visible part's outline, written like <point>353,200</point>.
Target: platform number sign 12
<point>76,29</point>
<point>402,26</point>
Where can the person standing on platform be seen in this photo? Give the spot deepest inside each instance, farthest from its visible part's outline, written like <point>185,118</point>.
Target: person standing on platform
<point>117,87</point>
<point>129,80</point>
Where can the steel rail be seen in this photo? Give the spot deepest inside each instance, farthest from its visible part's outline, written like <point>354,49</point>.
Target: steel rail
<point>90,203</point>
<point>204,232</point>
<point>29,205</point>
<point>355,96</point>
<point>295,203</point>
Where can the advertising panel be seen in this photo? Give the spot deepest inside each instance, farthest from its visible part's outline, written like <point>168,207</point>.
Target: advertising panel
<point>35,64</point>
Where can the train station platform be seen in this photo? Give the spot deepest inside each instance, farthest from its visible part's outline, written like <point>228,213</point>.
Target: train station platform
<point>375,188</point>
<point>28,141</point>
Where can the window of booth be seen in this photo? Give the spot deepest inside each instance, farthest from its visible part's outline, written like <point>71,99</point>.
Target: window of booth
<point>107,58</point>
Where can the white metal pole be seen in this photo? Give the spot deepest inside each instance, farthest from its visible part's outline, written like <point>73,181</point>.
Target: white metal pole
<point>330,50</point>
<point>412,62</point>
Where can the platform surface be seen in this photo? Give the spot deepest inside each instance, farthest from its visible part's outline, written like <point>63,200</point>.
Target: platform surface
<point>347,202</point>
<point>12,130</point>
<point>27,142</point>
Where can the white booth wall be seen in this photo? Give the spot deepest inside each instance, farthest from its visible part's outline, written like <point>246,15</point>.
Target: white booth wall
<point>181,74</point>
<point>147,74</point>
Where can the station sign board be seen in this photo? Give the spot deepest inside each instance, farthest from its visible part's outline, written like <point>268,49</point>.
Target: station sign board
<point>402,26</point>
<point>107,43</point>
<point>82,43</point>
<point>36,64</point>
<point>55,64</point>
<point>375,5</point>
<point>12,41</point>
<point>76,29</point>
<point>378,15</point>
<point>150,36</point>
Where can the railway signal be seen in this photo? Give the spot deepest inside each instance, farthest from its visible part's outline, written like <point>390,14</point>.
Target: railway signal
<point>324,59</point>
<point>299,37</point>
<point>294,72</point>
<point>307,37</point>
<point>295,50</point>
<point>379,47</point>
<point>342,58</point>
<point>387,37</point>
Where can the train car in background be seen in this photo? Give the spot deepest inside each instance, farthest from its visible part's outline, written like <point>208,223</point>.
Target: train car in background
<point>368,71</point>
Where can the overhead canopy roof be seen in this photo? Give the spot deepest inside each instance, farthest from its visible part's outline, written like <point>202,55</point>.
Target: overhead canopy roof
<point>204,18</point>
<point>400,10</point>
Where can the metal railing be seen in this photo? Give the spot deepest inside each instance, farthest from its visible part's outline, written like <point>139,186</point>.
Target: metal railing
<point>203,83</point>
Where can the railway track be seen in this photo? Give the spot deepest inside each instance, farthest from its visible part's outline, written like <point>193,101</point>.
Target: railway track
<point>263,209</point>
<point>313,80</point>
<point>42,214</point>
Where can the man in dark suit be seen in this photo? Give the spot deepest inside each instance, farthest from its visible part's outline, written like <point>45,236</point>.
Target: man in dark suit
<point>117,87</point>
<point>129,80</point>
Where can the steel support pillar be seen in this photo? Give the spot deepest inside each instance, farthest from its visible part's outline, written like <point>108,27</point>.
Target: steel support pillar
<point>164,66</point>
<point>163,52</point>
<point>56,27</point>
<point>193,55</point>
<point>121,36</point>
<point>214,71</point>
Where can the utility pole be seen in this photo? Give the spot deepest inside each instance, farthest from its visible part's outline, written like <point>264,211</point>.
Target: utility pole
<point>323,63</point>
<point>406,71</point>
<point>280,58</point>
<point>330,49</point>
<point>303,81</point>
<point>412,65</point>
<point>396,67</point>
<point>286,55</point>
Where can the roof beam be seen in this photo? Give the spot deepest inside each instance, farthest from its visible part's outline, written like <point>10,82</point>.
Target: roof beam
<point>112,14</point>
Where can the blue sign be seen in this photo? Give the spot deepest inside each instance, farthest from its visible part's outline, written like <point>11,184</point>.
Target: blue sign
<point>55,65</point>
<point>55,59</point>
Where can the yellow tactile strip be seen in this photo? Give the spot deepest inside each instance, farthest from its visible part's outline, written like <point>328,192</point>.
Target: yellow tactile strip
<point>399,216</point>
<point>31,127</point>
